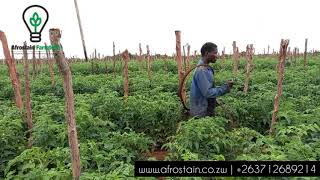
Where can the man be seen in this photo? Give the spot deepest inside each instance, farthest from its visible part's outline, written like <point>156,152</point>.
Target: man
<point>203,91</point>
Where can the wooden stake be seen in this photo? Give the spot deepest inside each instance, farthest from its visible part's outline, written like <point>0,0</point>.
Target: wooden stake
<point>249,55</point>
<point>119,58</point>
<point>282,57</point>
<point>165,64</point>
<point>125,73</point>
<point>81,32</point>
<point>140,57</point>
<point>184,59</point>
<point>114,60</point>
<point>39,63</point>
<point>12,71</point>
<point>69,101</point>
<point>305,54</point>
<point>179,61</point>
<point>106,64</point>
<point>149,63</point>
<point>94,59</point>
<point>188,57</point>
<point>53,82</point>
<point>34,70</point>
<point>235,59</point>
<point>296,54</point>
<point>27,95</point>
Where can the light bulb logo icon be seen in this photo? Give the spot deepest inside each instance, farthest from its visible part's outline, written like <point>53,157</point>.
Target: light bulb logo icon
<point>35,17</point>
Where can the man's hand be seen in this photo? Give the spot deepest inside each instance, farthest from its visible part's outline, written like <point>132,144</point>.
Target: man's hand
<point>230,84</point>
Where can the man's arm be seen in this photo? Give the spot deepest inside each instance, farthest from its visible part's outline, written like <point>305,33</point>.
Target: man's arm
<point>206,88</point>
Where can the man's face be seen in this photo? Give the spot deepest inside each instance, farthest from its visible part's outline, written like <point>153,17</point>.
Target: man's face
<point>212,56</point>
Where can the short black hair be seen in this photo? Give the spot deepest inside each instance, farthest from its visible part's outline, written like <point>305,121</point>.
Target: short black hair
<point>208,47</point>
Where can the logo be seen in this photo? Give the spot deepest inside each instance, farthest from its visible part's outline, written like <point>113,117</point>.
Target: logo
<point>35,17</point>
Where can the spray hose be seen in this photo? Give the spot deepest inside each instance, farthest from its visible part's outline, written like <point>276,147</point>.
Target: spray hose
<point>181,85</point>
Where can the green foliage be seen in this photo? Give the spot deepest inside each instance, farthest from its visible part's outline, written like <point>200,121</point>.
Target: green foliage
<point>113,133</point>
<point>199,138</point>
<point>156,116</point>
<point>12,136</point>
<point>48,133</point>
<point>36,163</point>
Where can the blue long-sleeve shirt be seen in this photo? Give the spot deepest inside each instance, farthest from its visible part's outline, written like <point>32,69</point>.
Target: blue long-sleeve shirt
<point>203,88</point>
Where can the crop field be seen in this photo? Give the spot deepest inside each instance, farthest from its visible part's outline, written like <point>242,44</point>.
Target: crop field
<point>115,129</point>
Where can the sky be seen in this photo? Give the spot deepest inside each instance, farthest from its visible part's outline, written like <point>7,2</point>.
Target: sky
<point>153,23</point>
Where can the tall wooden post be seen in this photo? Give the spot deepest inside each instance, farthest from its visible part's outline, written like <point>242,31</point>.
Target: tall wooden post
<point>34,64</point>
<point>313,52</point>
<point>140,57</point>
<point>69,101</point>
<point>12,71</point>
<point>53,82</point>
<point>179,61</point>
<point>184,59</point>
<point>223,56</point>
<point>27,95</point>
<point>81,32</point>
<point>188,57</point>
<point>119,58</point>
<point>166,64</point>
<point>126,77</point>
<point>114,60</point>
<point>305,54</point>
<point>249,54</point>
<point>149,63</point>
<point>39,63</point>
<point>94,59</point>
<point>235,59</point>
<point>282,57</point>
<point>295,54</point>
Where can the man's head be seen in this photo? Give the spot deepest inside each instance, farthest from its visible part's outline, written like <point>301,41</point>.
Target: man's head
<point>209,52</point>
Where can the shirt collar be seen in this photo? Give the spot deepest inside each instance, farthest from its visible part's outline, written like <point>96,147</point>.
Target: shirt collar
<point>200,62</point>
<point>209,67</point>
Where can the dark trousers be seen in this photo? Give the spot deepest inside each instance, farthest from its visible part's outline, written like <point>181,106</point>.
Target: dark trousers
<point>212,103</point>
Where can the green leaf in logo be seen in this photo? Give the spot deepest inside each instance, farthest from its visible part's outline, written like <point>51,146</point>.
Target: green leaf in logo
<point>35,21</point>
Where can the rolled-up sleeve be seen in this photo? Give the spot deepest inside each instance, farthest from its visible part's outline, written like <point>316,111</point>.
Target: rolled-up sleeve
<point>206,88</point>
